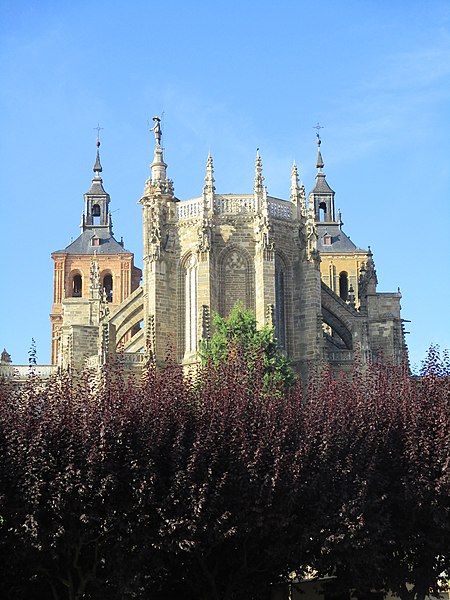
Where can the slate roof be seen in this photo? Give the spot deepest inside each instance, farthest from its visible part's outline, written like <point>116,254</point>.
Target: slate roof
<point>97,188</point>
<point>321,185</point>
<point>339,241</point>
<point>83,245</point>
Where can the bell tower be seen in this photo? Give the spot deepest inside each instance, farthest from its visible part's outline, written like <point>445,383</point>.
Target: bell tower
<point>322,195</point>
<point>96,201</point>
<point>118,277</point>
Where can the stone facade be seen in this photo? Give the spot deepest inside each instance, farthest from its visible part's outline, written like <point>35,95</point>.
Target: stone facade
<point>287,260</point>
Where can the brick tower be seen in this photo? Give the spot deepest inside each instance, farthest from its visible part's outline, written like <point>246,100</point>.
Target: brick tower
<point>118,277</point>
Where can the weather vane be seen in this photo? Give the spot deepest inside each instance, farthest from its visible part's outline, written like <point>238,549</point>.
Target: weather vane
<point>318,127</point>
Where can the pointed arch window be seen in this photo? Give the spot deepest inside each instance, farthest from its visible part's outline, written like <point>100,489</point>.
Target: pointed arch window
<point>280,304</point>
<point>190,296</point>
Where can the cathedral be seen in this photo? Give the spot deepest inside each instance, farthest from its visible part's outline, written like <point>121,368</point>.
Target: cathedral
<point>288,260</point>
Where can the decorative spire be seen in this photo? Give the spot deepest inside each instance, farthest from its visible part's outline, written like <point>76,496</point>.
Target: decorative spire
<point>5,357</point>
<point>320,164</point>
<point>158,165</point>
<point>96,200</point>
<point>295,188</point>
<point>259,179</point>
<point>209,187</point>
<point>98,167</point>
<point>368,276</point>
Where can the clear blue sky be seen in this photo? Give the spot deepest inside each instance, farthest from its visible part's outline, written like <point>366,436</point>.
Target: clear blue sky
<point>229,77</point>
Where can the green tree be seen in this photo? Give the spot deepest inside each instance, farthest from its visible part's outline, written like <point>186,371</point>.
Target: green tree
<point>239,334</point>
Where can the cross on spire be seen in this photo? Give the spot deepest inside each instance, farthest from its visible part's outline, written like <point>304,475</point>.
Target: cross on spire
<point>318,127</point>
<point>98,128</point>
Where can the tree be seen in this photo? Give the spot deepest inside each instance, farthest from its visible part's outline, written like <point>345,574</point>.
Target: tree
<point>130,488</point>
<point>239,332</point>
<point>218,488</point>
<point>383,459</point>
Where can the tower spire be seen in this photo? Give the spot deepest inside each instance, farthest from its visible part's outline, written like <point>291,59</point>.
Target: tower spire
<point>320,164</point>
<point>322,196</point>
<point>97,166</point>
<point>96,201</point>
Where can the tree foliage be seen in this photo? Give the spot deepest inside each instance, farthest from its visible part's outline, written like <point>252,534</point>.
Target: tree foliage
<point>239,332</point>
<point>159,488</point>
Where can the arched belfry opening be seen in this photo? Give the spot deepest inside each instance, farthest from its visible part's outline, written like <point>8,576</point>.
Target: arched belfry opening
<point>77,286</point>
<point>96,212</point>
<point>322,212</point>
<point>107,286</point>
<point>343,285</point>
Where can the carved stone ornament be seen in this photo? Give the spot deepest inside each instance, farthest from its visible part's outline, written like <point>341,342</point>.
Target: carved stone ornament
<point>204,237</point>
<point>94,276</point>
<point>154,245</point>
<point>264,235</point>
<point>104,308</point>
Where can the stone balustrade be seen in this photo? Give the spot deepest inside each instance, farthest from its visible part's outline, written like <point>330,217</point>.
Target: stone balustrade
<point>131,358</point>
<point>280,209</point>
<point>232,204</point>
<point>189,209</point>
<point>24,371</point>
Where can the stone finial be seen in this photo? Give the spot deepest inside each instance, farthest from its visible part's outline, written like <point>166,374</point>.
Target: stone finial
<point>259,179</point>
<point>297,195</point>
<point>368,276</point>
<point>209,188</point>
<point>5,357</point>
<point>295,188</point>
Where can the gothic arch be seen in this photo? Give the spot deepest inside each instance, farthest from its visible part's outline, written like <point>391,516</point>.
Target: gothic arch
<point>236,279</point>
<point>282,279</point>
